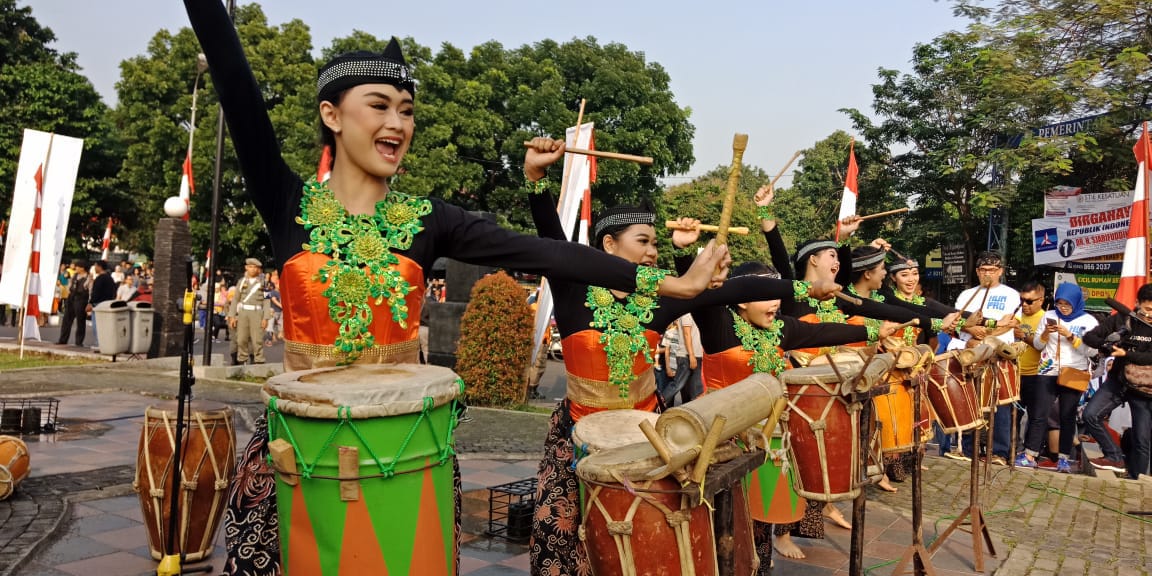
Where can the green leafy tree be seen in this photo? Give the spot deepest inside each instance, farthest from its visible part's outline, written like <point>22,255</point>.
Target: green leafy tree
<point>808,208</point>
<point>703,199</point>
<point>155,99</point>
<point>43,89</point>
<point>475,111</point>
<point>951,115</point>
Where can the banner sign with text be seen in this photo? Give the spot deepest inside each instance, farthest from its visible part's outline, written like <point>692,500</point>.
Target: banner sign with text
<point>1080,226</point>
<point>1096,288</point>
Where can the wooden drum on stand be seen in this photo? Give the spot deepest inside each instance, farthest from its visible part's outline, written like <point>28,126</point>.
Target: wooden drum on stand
<point>208,463</point>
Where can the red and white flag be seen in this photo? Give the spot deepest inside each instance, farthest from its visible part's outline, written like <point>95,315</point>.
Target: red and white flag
<point>187,188</point>
<point>324,170</point>
<point>32,305</point>
<point>1134,273</point>
<point>851,189</point>
<point>107,244</point>
<point>586,203</point>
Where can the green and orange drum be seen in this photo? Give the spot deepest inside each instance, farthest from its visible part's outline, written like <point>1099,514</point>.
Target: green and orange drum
<point>365,467</point>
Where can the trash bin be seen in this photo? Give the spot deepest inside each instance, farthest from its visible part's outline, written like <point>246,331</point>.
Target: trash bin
<point>140,319</point>
<point>113,327</point>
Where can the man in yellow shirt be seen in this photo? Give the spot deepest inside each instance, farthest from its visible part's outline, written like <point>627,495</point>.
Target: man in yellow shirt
<point>1030,315</point>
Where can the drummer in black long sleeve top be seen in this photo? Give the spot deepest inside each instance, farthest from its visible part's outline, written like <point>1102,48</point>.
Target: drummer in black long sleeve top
<point>607,339</point>
<point>353,252</point>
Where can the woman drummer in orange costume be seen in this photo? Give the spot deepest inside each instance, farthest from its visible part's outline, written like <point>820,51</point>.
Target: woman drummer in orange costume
<point>352,251</point>
<point>602,376</point>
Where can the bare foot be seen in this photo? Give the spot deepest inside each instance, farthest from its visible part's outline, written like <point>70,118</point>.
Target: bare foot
<point>786,547</point>
<point>886,485</point>
<point>833,513</point>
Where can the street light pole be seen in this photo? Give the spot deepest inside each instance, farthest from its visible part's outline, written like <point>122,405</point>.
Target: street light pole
<point>215,238</point>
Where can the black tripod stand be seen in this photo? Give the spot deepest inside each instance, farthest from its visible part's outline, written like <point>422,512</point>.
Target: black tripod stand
<point>171,564</point>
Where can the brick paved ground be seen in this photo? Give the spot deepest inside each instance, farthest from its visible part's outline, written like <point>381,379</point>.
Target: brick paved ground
<point>76,515</point>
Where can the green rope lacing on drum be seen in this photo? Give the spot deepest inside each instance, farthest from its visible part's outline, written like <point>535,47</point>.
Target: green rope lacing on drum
<point>344,417</point>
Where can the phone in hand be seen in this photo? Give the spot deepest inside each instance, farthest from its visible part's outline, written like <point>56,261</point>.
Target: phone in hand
<point>1050,321</point>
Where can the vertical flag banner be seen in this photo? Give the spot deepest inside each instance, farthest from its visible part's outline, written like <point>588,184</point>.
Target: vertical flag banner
<point>32,308</point>
<point>577,188</point>
<point>106,245</point>
<point>1135,267</point>
<point>59,181</point>
<point>851,189</point>
<point>187,188</point>
<point>586,204</point>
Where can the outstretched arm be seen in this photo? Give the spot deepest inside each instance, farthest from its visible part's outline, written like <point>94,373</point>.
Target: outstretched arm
<point>266,176</point>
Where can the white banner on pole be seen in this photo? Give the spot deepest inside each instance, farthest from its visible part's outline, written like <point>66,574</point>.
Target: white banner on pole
<point>1055,240</point>
<point>59,184</point>
<point>569,209</point>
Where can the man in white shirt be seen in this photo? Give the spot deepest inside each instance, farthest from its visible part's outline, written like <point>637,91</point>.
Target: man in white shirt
<point>994,308</point>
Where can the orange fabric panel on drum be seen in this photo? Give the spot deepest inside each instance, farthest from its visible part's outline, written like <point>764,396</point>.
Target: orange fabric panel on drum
<point>303,553</point>
<point>306,316</point>
<point>428,553</point>
<point>360,552</point>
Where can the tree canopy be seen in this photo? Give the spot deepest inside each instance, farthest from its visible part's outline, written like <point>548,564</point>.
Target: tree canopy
<point>43,89</point>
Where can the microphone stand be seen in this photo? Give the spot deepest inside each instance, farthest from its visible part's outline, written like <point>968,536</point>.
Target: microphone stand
<point>171,564</point>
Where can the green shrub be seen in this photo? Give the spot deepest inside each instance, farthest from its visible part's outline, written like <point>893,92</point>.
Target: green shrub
<point>495,343</point>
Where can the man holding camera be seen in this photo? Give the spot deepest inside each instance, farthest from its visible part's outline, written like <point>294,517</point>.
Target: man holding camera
<point>1128,339</point>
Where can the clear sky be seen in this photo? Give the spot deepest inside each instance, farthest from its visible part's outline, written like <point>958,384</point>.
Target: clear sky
<point>776,71</point>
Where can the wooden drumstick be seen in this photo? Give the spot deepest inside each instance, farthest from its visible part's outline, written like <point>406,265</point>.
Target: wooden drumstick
<point>645,160</point>
<point>709,447</point>
<point>772,184</point>
<point>897,254</point>
<point>739,144</point>
<point>848,298</point>
<point>912,322</point>
<point>674,225</point>
<point>777,411</point>
<point>885,213</point>
<point>665,454</point>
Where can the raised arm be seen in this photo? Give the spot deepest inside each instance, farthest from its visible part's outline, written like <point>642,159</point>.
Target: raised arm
<point>266,176</point>
<point>771,228</point>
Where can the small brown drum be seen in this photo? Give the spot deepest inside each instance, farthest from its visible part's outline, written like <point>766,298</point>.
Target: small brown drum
<point>209,461</point>
<point>1003,376</point>
<point>633,526</point>
<point>952,395</point>
<point>824,432</point>
<point>14,464</point>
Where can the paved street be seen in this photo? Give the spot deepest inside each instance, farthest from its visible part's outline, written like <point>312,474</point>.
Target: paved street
<point>77,514</point>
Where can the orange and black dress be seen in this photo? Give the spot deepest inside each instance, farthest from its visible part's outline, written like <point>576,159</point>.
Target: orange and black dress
<point>607,343</point>
<point>352,285</point>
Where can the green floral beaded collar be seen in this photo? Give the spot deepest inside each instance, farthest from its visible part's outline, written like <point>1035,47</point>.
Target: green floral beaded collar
<point>623,325</point>
<point>362,269</point>
<point>764,343</point>
<point>827,311</point>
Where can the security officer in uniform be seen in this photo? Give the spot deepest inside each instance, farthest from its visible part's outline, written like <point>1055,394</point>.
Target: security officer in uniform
<point>249,313</point>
